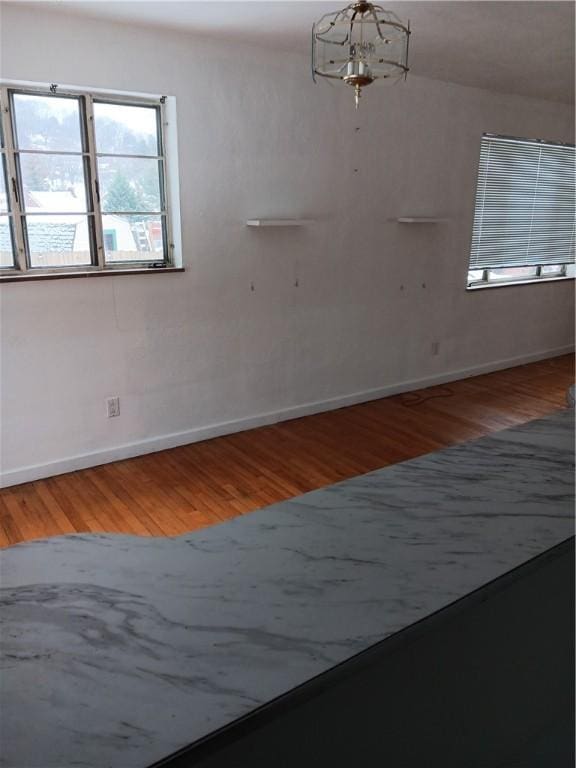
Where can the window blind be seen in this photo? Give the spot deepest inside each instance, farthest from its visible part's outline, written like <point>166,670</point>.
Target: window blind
<point>525,204</point>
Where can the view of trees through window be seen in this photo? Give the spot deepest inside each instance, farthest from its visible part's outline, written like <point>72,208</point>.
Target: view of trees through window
<point>55,169</point>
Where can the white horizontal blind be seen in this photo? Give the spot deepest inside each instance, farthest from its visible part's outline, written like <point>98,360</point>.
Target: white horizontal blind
<point>525,204</point>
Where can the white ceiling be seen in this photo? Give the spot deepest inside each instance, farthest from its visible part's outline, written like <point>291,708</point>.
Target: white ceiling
<point>514,47</point>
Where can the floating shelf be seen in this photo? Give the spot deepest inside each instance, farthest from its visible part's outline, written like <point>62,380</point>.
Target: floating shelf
<point>277,222</point>
<point>419,220</point>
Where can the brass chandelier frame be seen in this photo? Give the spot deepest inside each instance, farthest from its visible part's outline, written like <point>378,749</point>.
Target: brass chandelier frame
<point>361,62</point>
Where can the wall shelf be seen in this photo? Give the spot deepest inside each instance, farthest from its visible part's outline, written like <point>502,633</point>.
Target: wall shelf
<point>277,222</point>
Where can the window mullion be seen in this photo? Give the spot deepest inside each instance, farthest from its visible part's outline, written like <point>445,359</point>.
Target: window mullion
<point>93,181</point>
<point>164,189</point>
<point>13,183</point>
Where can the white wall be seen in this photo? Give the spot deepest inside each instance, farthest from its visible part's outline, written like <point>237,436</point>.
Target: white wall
<point>257,138</point>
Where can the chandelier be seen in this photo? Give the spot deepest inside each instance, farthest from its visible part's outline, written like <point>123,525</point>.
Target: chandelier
<point>360,44</point>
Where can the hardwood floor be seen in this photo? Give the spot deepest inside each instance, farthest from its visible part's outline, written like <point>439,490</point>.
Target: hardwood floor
<point>169,493</point>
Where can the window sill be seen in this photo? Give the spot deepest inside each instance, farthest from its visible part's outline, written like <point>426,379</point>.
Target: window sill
<point>507,283</point>
<point>15,278</point>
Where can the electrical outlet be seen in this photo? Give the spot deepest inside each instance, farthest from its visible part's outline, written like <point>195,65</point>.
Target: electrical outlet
<point>435,347</point>
<point>113,407</point>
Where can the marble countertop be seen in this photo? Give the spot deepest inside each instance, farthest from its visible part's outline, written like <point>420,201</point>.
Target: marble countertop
<point>119,650</point>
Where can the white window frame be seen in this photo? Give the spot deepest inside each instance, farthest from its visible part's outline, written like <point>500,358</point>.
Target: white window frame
<point>490,280</point>
<point>22,270</point>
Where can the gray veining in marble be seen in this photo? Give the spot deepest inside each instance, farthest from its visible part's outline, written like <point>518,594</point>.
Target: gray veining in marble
<point>119,650</point>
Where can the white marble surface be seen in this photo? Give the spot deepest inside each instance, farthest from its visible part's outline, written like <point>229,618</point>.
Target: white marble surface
<point>119,650</point>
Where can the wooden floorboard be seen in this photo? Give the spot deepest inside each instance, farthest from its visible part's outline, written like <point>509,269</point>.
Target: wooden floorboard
<point>187,488</point>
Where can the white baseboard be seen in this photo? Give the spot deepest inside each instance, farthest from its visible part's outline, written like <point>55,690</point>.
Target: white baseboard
<point>163,442</point>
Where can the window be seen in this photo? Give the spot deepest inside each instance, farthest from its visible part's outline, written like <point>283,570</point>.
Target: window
<point>110,242</point>
<point>524,212</point>
<point>83,184</point>
<point>6,227</point>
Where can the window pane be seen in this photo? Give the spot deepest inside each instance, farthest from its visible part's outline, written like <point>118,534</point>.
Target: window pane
<point>6,243</point>
<point>58,241</point>
<point>53,183</point>
<point>475,274</point>
<point>133,238</point>
<point>552,269</point>
<point>47,122</point>
<point>3,195</point>
<point>126,130</point>
<point>512,273</point>
<point>128,184</point>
